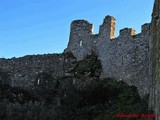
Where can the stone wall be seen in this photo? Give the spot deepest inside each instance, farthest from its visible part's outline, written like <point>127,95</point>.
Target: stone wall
<point>156,59</point>
<point>23,71</point>
<point>126,57</point>
<point>130,57</point>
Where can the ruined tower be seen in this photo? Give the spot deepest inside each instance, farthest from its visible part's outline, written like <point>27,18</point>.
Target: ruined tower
<point>83,42</point>
<point>79,41</point>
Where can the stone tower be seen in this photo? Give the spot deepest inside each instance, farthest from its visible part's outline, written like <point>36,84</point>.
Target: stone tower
<point>83,42</point>
<point>79,41</point>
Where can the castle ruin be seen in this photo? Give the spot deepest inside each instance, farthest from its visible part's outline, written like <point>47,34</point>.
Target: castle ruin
<point>130,57</point>
<point>126,57</point>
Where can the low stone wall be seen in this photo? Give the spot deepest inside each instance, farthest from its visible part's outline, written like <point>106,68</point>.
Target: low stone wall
<point>23,71</point>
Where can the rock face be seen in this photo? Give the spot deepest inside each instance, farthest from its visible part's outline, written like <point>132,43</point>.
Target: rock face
<point>156,57</point>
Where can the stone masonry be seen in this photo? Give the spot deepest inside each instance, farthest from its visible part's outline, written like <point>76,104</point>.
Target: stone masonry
<point>130,57</point>
<point>126,57</point>
<point>156,59</point>
<point>23,71</point>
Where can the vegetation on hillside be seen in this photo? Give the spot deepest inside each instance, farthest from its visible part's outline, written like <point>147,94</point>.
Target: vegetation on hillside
<point>83,96</point>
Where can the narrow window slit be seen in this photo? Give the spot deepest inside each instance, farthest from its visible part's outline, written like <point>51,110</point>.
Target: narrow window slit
<point>80,44</point>
<point>38,81</point>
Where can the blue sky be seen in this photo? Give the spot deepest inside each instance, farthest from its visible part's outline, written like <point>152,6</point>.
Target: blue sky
<point>43,26</point>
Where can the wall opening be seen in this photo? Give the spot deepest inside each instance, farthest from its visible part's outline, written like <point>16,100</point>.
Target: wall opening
<point>80,44</point>
<point>38,81</point>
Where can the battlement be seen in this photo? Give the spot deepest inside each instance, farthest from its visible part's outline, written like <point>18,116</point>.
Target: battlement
<point>127,31</point>
<point>108,18</point>
<point>82,40</point>
<point>83,28</point>
<point>145,28</point>
<point>123,57</point>
<point>107,29</point>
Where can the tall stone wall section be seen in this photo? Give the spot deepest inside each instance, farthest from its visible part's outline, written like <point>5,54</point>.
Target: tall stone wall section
<point>126,57</point>
<point>156,59</point>
<point>24,71</point>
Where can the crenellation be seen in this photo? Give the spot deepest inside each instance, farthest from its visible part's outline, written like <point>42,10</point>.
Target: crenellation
<point>126,57</point>
<point>145,28</point>
<point>127,32</point>
<point>107,29</point>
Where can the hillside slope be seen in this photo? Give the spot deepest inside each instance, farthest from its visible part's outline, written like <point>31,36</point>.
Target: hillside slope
<point>80,95</point>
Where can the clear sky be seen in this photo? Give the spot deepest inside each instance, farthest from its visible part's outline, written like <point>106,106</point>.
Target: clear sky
<point>43,26</point>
